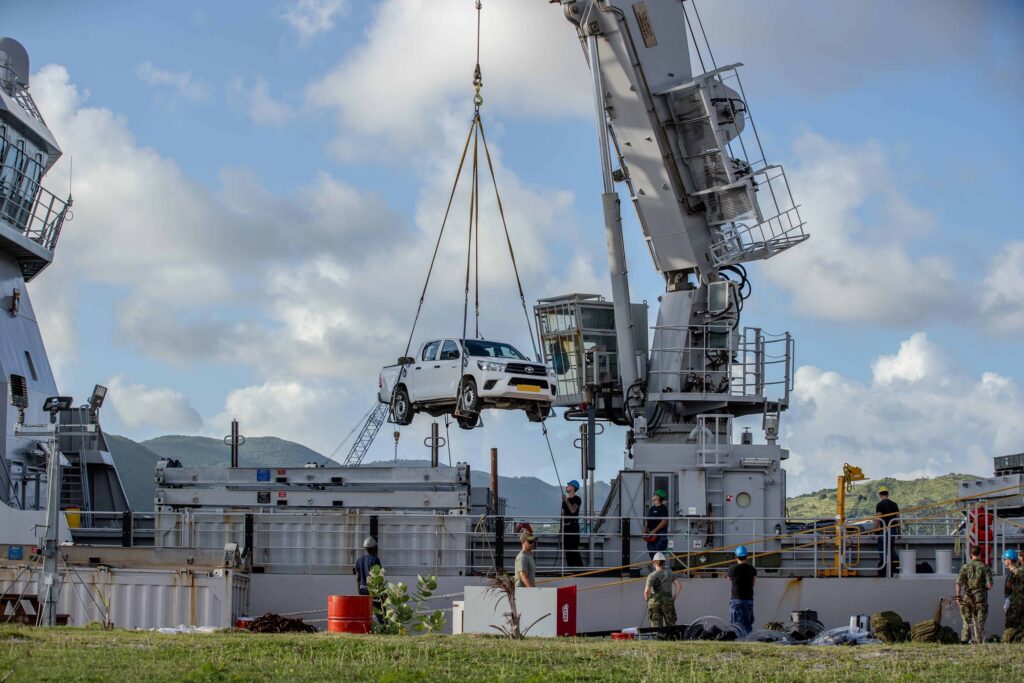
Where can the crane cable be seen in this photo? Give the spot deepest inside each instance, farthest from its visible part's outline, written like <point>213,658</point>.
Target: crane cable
<point>476,135</point>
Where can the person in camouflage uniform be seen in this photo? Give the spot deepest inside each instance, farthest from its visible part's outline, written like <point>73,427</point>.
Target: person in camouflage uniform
<point>972,586</point>
<point>1014,590</point>
<point>660,593</point>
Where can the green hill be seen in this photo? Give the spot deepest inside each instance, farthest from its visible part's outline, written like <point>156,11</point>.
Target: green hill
<point>907,494</point>
<point>258,451</point>
<point>135,465</point>
<point>136,462</point>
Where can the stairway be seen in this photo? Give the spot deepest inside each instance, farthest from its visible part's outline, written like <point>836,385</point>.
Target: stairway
<point>72,489</point>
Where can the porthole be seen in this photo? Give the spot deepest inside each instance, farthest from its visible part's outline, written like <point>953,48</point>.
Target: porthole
<point>743,499</point>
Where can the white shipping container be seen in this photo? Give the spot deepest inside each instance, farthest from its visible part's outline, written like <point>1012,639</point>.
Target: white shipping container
<point>143,598</point>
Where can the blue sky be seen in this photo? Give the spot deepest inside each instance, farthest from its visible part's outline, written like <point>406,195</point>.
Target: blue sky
<point>255,184</point>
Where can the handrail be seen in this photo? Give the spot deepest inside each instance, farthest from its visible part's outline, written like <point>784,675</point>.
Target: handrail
<point>30,208</point>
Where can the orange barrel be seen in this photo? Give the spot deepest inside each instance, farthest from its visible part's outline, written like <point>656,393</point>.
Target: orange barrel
<point>349,613</point>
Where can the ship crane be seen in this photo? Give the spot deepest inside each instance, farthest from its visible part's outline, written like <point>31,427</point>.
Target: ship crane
<point>679,139</point>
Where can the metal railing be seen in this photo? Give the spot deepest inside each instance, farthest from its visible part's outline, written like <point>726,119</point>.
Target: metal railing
<point>330,542</point>
<point>30,208</point>
<point>9,80</point>
<point>719,360</point>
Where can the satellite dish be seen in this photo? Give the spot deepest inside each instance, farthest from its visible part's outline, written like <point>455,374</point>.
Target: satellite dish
<point>14,56</point>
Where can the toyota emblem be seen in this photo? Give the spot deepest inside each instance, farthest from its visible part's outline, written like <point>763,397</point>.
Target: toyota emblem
<point>529,369</point>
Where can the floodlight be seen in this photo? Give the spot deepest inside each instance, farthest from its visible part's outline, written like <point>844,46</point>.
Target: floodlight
<point>19,392</point>
<point>99,392</point>
<point>55,403</point>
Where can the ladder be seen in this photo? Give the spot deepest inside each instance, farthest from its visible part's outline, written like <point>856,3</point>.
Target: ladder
<point>72,485</point>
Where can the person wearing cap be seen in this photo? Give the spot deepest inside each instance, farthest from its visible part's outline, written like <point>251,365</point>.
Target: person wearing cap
<point>655,530</point>
<point>571,504</point>
<point>1014,590</point>
<point>741,599</point>
<point>660,592</point>
<point>888,513</point>
<point>972,586</point>
<point>526,567</point>
<point>364,564</point>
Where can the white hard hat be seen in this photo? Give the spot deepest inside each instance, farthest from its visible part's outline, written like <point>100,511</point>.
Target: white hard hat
<point>659,557</point>
<point>370,542</point>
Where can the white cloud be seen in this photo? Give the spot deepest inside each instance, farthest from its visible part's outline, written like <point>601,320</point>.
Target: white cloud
<point>286,409</point>
<point>139,408</point>
<point>310,18</point>
<point>181,82</point>
<point>320,285</point>
<point>918,359</point>
<point>1002,299</point>
<point>920,414</point>
<point>255,98</point>
<point>864,261</point>
<point>403,79</point>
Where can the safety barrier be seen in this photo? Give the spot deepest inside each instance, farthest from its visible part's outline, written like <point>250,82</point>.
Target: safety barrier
<point>330,541</point>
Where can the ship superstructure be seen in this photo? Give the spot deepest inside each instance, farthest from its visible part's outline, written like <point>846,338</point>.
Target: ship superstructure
<point>31,220</point>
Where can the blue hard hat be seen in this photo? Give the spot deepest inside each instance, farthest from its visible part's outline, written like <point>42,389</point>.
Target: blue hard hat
<point>741,551</point>
<point>573,483</point>
<point>1011,555</point>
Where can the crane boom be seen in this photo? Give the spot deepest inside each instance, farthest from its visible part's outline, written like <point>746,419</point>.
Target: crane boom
<point>707,201</point>
<point>374,420</point>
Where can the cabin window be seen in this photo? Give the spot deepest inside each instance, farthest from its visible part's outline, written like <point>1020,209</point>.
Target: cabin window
<point>31,367</point>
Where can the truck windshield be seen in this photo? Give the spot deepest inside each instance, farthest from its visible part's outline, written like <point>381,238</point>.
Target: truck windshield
<point>489,349</point>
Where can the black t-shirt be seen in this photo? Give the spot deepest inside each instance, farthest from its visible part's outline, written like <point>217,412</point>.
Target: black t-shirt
<point>569,517</point>
<point>655,514</point>
<point>890,509</point>
<point>742,577</point>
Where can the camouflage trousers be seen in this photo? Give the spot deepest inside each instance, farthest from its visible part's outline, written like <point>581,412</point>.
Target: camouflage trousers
<point>661,612</point>
<point>973,614</point>
<point>1015,615</point>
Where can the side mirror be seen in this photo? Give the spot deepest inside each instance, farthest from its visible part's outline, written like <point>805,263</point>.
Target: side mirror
<point>406,360</point>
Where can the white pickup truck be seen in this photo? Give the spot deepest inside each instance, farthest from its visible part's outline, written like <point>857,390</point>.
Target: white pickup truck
<point>443,378</point>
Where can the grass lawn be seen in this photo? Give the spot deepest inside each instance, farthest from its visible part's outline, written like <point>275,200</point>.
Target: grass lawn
<point>76,654</point>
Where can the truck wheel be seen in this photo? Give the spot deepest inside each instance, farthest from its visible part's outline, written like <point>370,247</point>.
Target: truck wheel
<point>468,422</point>
<point>401,407</point>
<point>469,400</point>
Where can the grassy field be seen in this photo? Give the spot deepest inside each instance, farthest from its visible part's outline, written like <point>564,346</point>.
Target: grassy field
<point>69,654</point>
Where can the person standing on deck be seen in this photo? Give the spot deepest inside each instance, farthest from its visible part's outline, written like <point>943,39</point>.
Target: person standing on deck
<point>655,530</point>
<point>972,586</point>
<point>571,504</point>
<point>741,599</point>
<point>888,513</point>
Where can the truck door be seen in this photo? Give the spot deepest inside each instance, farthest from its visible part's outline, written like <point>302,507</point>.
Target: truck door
<point>423,373</point>
<point>450,372</point>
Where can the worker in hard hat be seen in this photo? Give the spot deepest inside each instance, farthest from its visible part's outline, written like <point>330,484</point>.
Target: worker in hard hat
<point>571,505</point>
<point>888,513</point>
<point>742,575</point>
<point>526,566</point>
<point>1014,589</point>
<point>660,592</point>
<point>365,563</point>
<point>655,530</point>
<point>972,586</point>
